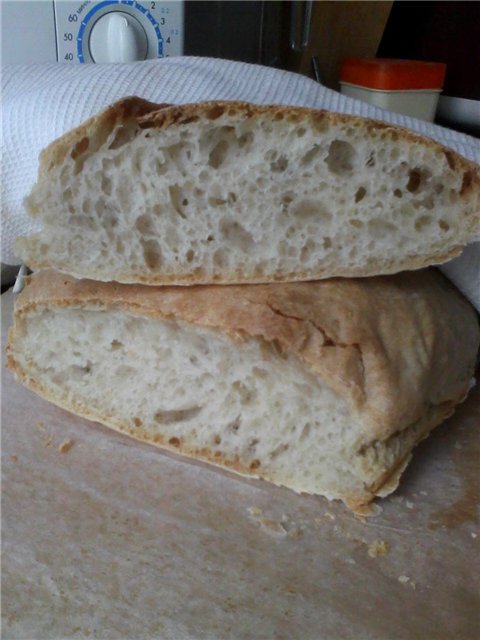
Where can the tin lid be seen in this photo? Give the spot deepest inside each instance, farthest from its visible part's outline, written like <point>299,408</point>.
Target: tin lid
<point>385,73</point>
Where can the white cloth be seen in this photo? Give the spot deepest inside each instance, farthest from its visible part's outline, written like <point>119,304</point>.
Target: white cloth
<point>41,102</point>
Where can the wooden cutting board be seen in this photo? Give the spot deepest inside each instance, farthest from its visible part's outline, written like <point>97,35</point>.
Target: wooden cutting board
<point>104,537</point>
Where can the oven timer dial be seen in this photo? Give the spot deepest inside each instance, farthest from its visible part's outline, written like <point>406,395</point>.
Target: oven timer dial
<point>118,30</point>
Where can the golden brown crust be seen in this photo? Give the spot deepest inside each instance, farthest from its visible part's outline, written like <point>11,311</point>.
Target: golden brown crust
<point>148,114</point>
<point>122,111</point>
<point>387,365</point>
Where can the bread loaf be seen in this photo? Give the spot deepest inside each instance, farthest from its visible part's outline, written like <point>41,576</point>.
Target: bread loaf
<point>238,193</point>
<point>324,387</point>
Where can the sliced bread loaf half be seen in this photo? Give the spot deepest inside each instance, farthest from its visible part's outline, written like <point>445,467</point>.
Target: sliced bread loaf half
<point>223,192</point>
<point>324,387</point>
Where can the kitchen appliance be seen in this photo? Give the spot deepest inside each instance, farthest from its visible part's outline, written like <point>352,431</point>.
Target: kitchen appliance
<point>75,32</point>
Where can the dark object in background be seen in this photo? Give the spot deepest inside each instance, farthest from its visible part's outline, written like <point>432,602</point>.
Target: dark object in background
<point>249,31</point>
<point>446,32</point>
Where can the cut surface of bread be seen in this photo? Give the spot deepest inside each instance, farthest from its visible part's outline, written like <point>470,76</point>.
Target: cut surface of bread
<point>323,387</point>
<point>223,192</point>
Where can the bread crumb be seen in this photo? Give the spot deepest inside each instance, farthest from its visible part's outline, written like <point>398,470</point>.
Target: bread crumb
<point>254,511</point>
<point>378,548</point>
<point>329,515</point>
<point>65,446</point>
<point>474,535</point>
<point>14,458</point>
<point>48,441</point>
<point>272,527</point>
<point>409,504</point>
<point>403,579</point>
<point>413,585</point>
<point>295,533</point>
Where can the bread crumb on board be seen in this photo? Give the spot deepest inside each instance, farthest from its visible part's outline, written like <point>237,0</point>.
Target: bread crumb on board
<point>65,446</point>
<point>378,548</point>
<point>14,458</point>
<point>285,527</point>
<point>47,441</point>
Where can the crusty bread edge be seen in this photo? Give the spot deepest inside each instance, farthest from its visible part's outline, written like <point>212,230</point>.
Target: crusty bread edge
<point>149,114</point>
<point>383,486</point>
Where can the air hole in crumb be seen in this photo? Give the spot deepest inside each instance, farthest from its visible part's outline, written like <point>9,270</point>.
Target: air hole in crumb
<point>185,202</point>
<point>176,198</point>
<point>305,431</point>
<point>175,415</point>
<point>220,258</point>
<point>232,197</point>
<point>423,222</point>
<point>381,228</point>
<point>106,185</point>
<point>278,451</point>
<point>216,202</point>
<point>279,165</point>
<point>327,243</point>
<point>311,210</point>
<point>467,181</point>
<point>370,160</point>
<point>80,147</point>
<point>217,439</point>
<point>152,254</point>
<point>301,131</point>
<point>310,155</point>
<point>356,223</point>
<point>143,224</point>
<point>288,197</point>
<point>234,426</point>
<point>444,226</point>
<point>255,464</point>
<point>397,193</point>
<point>218,154</point>
<point>175,442</point>
<point>137,422</point>
<point>341,157</point>
<point>245,138</point>
<point>416,178</point>
<point>161,167</point>
<point>360,194</point>
<point>236,235</point>
<point>115,344</point>
<point>121,136</point>
<point>190,255</point>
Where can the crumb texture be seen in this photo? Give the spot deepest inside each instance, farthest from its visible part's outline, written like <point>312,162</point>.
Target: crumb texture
<point>226,194</point>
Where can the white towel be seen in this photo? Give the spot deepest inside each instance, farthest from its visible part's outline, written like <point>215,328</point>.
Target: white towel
<point>41,102</point>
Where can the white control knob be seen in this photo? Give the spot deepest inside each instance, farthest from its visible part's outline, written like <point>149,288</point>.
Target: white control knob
<point>118,37</point>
